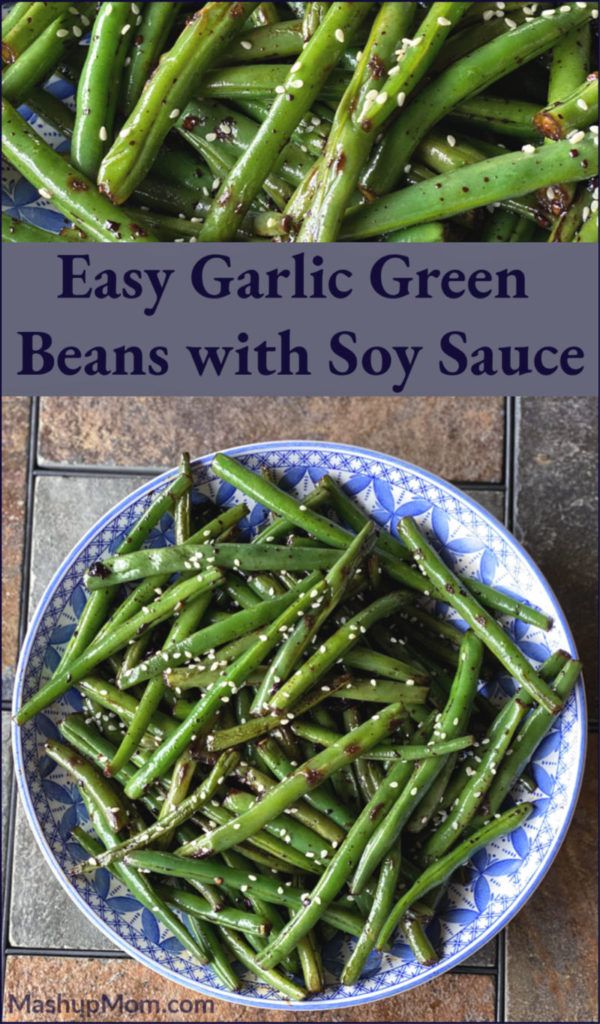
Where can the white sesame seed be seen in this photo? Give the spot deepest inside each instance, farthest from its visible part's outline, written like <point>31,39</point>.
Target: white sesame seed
<point>339,35</point>
<point>401,98</point>
<point>444,22</point>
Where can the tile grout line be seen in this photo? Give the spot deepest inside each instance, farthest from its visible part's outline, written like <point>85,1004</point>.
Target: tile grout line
<point>23,614</point>
<point>510,458</point>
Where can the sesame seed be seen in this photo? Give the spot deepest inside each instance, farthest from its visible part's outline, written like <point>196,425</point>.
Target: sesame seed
<point>445,22</point>
<point>339,35</point>
<point>400,99</point>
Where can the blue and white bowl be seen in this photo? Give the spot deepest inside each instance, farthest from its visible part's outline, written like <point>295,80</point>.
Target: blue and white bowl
<point>500,878</point>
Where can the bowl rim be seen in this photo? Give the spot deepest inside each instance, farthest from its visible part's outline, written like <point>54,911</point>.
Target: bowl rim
<point>319,1005</point>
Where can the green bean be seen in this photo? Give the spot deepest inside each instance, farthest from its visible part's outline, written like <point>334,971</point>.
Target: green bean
<point>467,76</point>
<point>97,652</point>
<point>301,837</point>
<point>119,569</point>
<point>218,633</point>
<point>317,903</point>
<point>17,12</point>
<point>336,582</point>
<point>312,131</point>
<point>207,938</point>
<point>305,778</point>
<point>226,917</point>
<point>414,58</point>
<point>304,83</point>
<point>259,783</point>
<point>434,232</point>
<point>98,84</point>
<point>382,903</point>
<point>450,725</point>
<point>146,592</point>
<point>489,181</point>
<point>533,730</point>
<point>71,192</point>
<point>473,35</point>
<point>439,871</point>
<point>290,860</point>
<point>570,65</point>
<point>253,728</point>
<point>17,37</point>
<point>430,804</point>
<point>138,886</point>
<point>96,608</point>
<point>588,232</point>
<point>334,648</point>
<point>15,230</point>
<point>203,712</point>
<point>350,141</point>
<point>498,114</point>
<point>497,741</point>
<point>41,56</point>
<point>392,548</point>
<point>365,660</point>
<point>419,943</point>
<point>311,963</point>
<point>482,624</point>
<point>382,691</point>
<point>151,36</point>
<point>278,981</point>
<point>220,135</point>
<point>321,798</point>
<point>265,887</point>
<point>205,36</point>
<point>389,752</point>
<point>86,777</point>
<point>566,117</point>
<point>277,41</point>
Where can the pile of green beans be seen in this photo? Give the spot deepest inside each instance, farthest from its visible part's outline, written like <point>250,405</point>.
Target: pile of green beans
<point>331,763</point>
<point>308,122</point>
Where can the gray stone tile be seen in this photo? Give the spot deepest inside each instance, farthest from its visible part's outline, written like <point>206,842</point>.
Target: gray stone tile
<point>556,510</point>
<point>64,508</point>
<point>41,913</point>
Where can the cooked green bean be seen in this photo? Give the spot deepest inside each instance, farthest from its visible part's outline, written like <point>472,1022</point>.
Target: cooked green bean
<point>207,34</point>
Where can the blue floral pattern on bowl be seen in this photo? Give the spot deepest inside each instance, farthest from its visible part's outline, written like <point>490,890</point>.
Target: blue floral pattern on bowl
<point>497,881</point>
